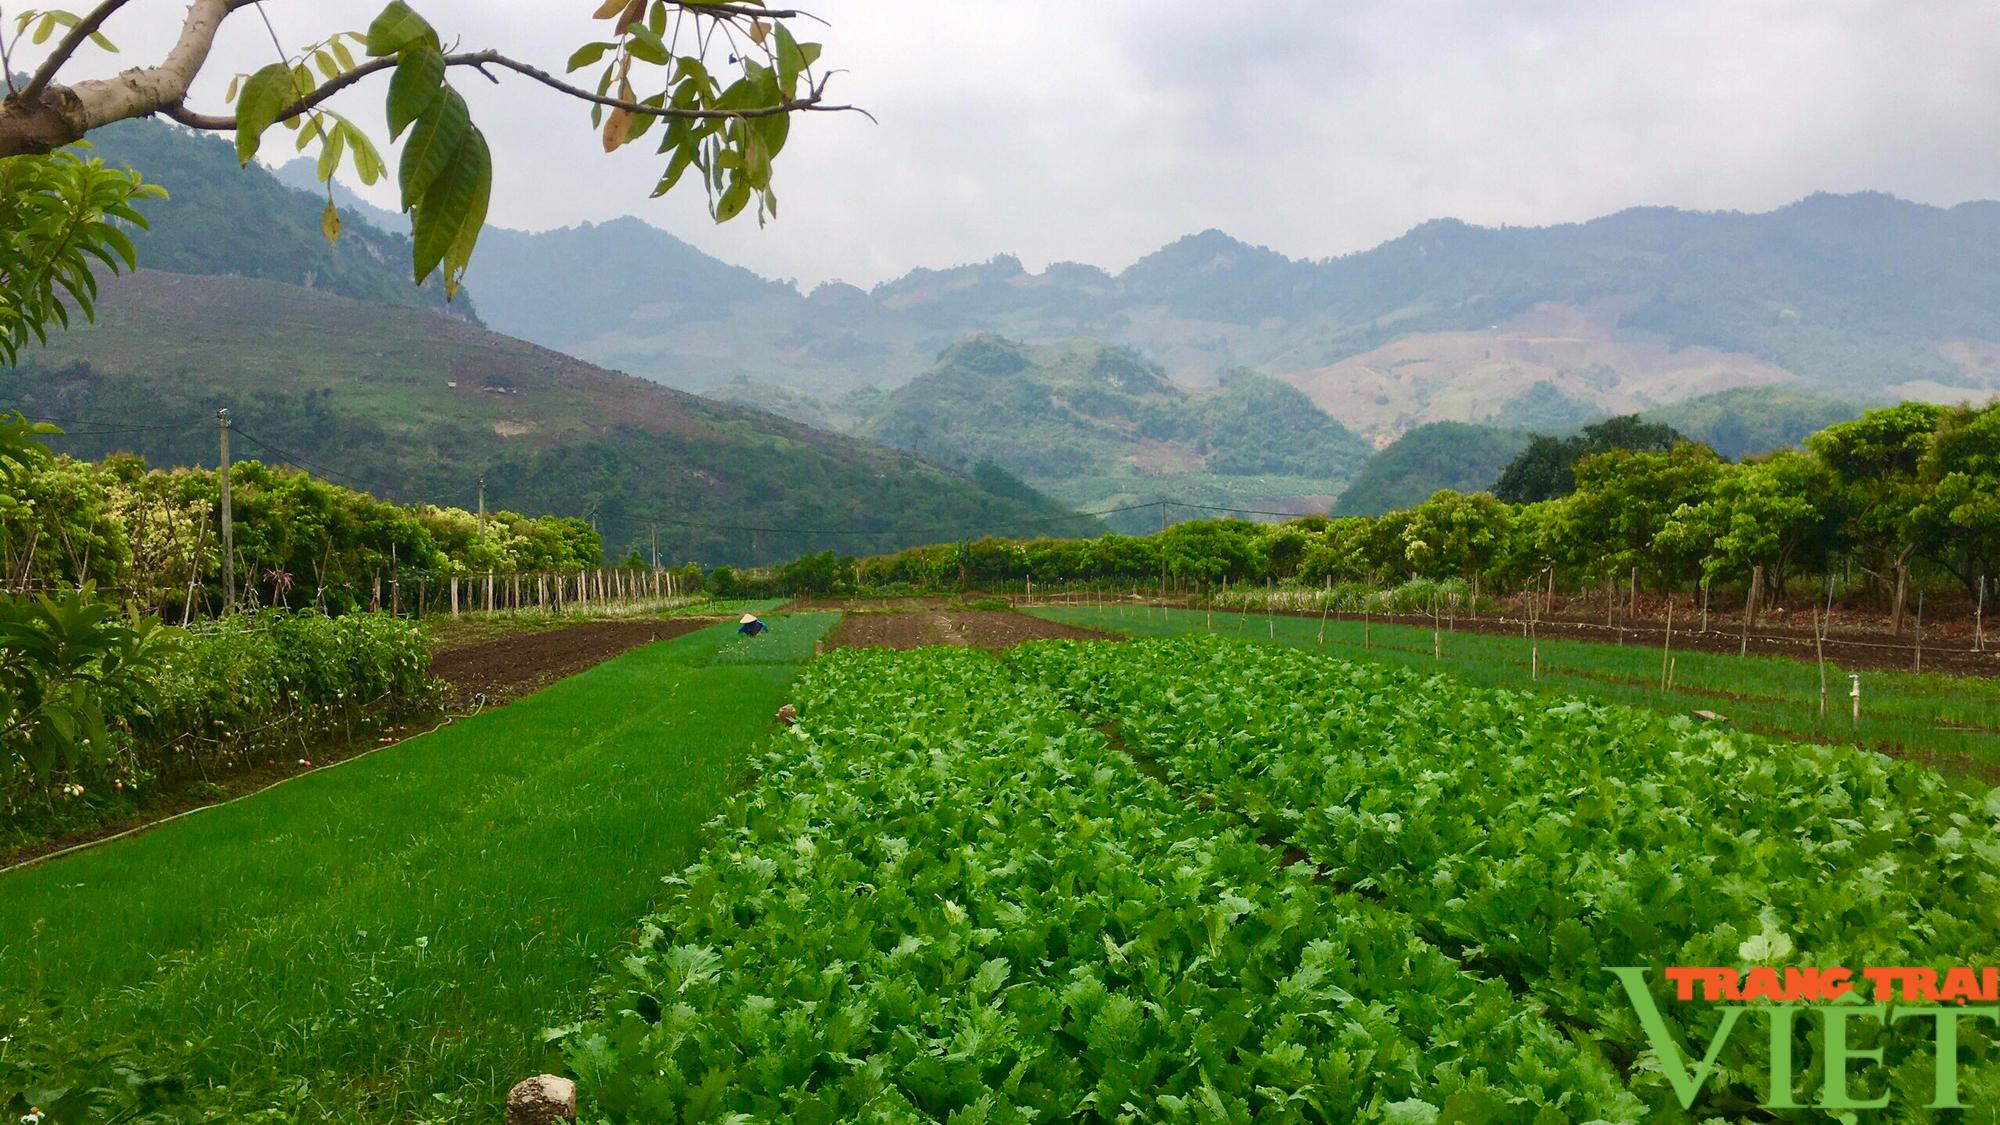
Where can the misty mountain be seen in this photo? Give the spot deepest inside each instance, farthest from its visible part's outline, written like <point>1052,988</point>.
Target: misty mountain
<point>1097,426</point>
<point>1863,297</point>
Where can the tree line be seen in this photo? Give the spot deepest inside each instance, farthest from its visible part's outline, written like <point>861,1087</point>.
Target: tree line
<point>151,537</point>
<point>1898,499</point>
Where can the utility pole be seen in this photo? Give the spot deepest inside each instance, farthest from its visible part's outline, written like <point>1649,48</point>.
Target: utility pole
<point>228,519</point>
<point>1163,549</point>
<point>482,511</point>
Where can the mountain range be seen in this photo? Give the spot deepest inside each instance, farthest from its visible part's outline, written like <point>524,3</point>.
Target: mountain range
<point>1209,372</point>
<point>1863,297</point>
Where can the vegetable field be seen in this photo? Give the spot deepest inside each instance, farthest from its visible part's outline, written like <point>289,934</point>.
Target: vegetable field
<point>386,939</point>
<point>1949,722</point>
<point>1204,880</point>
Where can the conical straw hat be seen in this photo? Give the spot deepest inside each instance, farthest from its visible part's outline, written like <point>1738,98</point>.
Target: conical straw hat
<point>747,619</point>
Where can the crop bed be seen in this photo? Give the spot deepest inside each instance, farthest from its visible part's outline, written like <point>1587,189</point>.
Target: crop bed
<point>500,669</point>
<point>1549,840</point>
<point>985,912</point>
<point>993,629</point>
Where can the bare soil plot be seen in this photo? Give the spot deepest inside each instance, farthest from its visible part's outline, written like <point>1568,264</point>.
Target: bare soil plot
<point>990,629</point>
<point>505,668</point>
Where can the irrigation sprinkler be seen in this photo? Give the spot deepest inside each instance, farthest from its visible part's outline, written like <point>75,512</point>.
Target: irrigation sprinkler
<point>1855,693</point>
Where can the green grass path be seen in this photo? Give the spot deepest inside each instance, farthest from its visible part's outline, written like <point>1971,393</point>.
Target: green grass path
<point>1953,723</point>
<point>386,939</point>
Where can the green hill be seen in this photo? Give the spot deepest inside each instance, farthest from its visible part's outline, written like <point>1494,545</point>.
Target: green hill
<point>226,220</point>
<point>1097,427</point>
<point>416,406</point>
<point>1751,420</point>
<point>1454,455</point>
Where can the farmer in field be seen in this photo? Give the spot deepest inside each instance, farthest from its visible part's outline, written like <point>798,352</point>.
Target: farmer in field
<point>750,626</point>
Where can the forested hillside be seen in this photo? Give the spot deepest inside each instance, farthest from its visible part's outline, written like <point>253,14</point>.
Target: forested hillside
<point>1442,455</point>
<point>413,406</point>
<point>1097,426</point>
<point>1862,297</point>
<point>229,220</point>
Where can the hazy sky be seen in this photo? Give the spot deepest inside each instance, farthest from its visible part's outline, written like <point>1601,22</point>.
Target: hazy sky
<point>1056,129</point>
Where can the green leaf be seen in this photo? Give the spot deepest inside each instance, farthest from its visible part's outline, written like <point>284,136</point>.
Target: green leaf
<point>367,159</point>
<point>733,201</point>
<point>265,95</point>
<point>415,87</point>
<point>396,28</point>
<point>586,55</point>
<point>448,202</point>
<point>329,222</point>
<point>432,144</point>
<point>460,253</point>
<point>647,46</point>
<point>330,152</point>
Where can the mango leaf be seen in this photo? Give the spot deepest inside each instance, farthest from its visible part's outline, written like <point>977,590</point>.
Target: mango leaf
<point>432,144</point>
<point>416,85</point>
<point>396,28</point>
<point>265,95</point>
<point>448,204</point>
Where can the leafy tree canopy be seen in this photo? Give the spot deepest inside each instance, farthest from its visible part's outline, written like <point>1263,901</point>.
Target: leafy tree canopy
<point>717,80</point>
<point>1547,468</point>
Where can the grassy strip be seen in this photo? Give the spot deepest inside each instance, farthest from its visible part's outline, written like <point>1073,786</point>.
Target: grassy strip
<point>1905,713</point>
<point>382,941</point>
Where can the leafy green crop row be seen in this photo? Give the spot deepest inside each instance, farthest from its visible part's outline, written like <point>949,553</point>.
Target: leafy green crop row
<point>247,689</point>
<point>1553,839</point>
<point>949,898</point>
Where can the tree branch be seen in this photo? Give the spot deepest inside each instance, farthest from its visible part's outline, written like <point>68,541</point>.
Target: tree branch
<point>813,101</point>
<point>60,115</point>
<point>65,47</point>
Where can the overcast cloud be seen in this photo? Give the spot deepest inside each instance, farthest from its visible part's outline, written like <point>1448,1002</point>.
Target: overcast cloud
<point>1097,132</point>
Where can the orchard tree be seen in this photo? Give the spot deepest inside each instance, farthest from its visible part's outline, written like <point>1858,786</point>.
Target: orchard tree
<point>1877,462</point>
<point>717,82</point>
<point>1456,534</point>
<point>1774,512</point>
<point>1956,519</point>
<point>1624,499</point>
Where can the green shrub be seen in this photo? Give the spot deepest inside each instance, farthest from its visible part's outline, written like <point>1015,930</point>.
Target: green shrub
<point>242,691</point>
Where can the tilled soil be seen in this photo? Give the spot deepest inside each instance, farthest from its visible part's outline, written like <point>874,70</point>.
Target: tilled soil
<point>508,667</point>
<point>989,629</point>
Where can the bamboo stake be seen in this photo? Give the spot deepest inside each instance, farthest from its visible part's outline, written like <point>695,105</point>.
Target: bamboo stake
<point>1667,651</point>
<point>1819,651</point>
<point>1920,630</point>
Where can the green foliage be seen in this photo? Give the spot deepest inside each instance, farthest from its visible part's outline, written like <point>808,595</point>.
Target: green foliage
<point>60,218</point>
<point>66,663</point>
<point>990,914</point>
<point>1556,838</point>
<point>1546,469</point>
<point>1098,425</point>
<point>1908,482</point>
<point>300,541</point>
<point>1752,420</point>
<point>99,711</point>
<point>238,221</point>
<point>1455,455</point>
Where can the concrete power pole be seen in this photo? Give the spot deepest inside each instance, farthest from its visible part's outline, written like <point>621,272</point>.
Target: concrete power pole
<point>228,519</point>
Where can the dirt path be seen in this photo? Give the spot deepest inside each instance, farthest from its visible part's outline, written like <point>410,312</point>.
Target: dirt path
<point>507,667</point>
<point>989,629</point>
